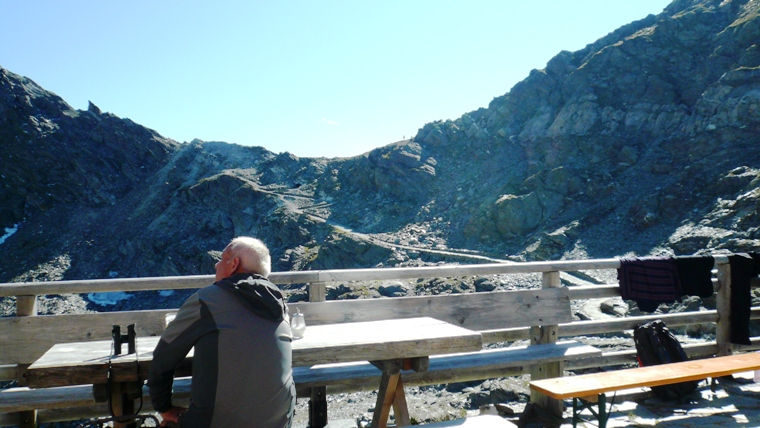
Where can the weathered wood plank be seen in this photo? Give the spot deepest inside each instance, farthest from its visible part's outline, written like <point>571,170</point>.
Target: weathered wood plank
<point>199,281</point>
<point>546,333</point>
<point>88,362</point>
<point>70,402</point>
<point>463,367</point>
<point>584,328</point>
<point>465,270</point>
<point>476,311</point>
<point>594,291</point>
<point>382,340</point>
<point>26,306</point>
<point>136,284</point>
<point>664,374</point>
<point>24,339</point>
<point>317,292</point>
<point>105,285</point>
<point>23,399</point>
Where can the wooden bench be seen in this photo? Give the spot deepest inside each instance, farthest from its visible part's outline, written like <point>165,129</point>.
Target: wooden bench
<point>20,399</point>
<point>591,388</point>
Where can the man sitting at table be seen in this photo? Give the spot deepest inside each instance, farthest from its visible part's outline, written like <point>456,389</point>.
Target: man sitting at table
<point>242,375</point>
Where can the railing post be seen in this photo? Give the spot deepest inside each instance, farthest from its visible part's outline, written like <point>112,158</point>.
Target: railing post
<point>546,334</point>
<point>317,292</point>
<point>26,306</point>
<point>723,306</point>
<point>318,398</point>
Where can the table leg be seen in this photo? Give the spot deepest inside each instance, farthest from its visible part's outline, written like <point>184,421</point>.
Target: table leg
<point>318,407</point>
<point>400,409</point>
<point>122,403</point>
<point>385,398</point>
<point>603,416</point>
<point>391,391</point>
<point>577,408</point>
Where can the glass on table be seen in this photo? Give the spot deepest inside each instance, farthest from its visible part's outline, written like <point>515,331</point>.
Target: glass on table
<point>298,325</point>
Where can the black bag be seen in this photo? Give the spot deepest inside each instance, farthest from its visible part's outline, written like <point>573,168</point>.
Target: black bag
<point>655,344</point>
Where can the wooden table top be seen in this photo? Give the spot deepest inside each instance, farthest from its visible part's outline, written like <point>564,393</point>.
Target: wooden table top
<point>87,362</point>
<point>598,383</point>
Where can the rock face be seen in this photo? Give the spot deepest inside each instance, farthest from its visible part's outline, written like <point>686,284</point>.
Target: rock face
<point>643,142</point>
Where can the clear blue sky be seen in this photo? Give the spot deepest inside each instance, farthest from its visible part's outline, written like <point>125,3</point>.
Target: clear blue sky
<point>314,78</point>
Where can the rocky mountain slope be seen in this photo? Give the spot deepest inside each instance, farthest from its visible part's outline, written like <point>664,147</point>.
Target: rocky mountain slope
<point>644,142</point>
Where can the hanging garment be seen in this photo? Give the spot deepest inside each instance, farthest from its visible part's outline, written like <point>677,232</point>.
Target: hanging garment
<point>649,281</point>
<point>695,274</point>
<point>743,269</point>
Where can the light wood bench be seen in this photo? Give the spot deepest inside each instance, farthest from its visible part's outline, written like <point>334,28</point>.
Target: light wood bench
<point>464,367</point>
<point>591,388</point>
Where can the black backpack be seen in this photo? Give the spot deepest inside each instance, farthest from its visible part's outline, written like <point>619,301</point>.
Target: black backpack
<point>655,344</point>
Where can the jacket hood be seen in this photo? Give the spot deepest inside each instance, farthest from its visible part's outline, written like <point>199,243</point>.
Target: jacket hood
<point>258,294</point>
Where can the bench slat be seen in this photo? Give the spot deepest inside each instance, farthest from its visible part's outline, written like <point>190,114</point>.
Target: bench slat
<point>22,398</point>
<point>664,374</point>
<point>462,367</point>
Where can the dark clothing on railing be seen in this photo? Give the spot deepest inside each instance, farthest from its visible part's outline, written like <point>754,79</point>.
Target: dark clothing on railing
<point>242,374</point>
<point>743,268</point>
<point>695,273</point>
<point>649,281</point>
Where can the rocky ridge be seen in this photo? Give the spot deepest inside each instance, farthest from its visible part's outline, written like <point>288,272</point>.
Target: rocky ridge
<point>648,134</point>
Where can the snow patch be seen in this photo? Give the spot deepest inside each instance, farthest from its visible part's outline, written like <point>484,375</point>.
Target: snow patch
<point>8,232</point>
<point>108,299</point>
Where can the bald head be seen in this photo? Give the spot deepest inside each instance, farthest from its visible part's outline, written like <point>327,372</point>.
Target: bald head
<point>244,254</point>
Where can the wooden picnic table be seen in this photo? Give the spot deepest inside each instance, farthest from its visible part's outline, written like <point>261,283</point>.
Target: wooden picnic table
<point>391,345</point>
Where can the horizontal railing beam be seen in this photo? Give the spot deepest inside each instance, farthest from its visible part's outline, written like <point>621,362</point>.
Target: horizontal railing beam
<point>302,277</point>
<point>307,277</point>
<point>596,327</point>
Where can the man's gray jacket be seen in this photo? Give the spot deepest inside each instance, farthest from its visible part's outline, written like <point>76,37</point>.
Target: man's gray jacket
<point>242,375</point>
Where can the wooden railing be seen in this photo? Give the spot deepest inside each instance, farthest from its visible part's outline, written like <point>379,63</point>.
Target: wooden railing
<point>24,337</point>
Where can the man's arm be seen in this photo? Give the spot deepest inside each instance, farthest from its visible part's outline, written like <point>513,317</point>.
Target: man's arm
<point>176,341</point>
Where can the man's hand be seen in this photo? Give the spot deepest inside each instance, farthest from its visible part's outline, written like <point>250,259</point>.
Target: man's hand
<point>172,415</point>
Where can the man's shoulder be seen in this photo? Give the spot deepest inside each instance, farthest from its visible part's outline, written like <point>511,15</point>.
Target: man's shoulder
<point>208,290</point>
